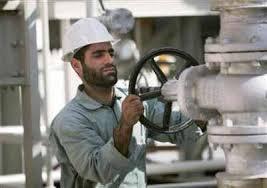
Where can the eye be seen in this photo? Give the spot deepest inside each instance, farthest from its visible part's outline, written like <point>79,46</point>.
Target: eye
<point>111,52</point>
<point>98,54</point>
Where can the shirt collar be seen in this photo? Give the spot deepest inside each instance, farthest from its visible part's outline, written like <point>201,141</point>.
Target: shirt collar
<point>90,103</point>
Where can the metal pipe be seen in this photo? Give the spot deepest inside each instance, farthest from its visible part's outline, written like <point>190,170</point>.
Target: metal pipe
<point>185,166</point>
<point>19,179</point>
<point>245,93</point>
<point>46,54</point>
<point>91,8</point>
<point>64,24</point>
<point>202,184</point>
<point>14,134</point>
<point>1,146</point>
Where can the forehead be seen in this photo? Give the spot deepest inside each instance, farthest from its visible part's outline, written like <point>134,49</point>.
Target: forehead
<point>100,46</point>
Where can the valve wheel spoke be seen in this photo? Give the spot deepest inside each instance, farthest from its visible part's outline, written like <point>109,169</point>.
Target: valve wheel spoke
<point>167,115</point>
<point>161,76</point>
<point>150,95</point>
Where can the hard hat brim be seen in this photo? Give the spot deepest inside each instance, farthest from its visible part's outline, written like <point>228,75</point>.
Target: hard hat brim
<point>68,57</point>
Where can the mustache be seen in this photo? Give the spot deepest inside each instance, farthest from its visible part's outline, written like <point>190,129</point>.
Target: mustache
<point>109,66</point>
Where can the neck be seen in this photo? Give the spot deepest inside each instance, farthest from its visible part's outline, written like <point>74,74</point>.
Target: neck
<point>100,94</point>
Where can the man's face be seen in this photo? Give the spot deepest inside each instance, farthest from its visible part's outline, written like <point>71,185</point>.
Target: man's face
<point>98,67</point>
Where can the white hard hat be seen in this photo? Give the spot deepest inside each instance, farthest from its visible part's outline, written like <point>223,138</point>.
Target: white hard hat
<point>81,33</point>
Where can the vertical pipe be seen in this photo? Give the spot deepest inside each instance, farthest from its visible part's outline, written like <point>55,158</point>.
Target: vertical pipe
<point>64,24</point>
<point>11,115</point>
<point>1,146</point>
<point>30,99</point>
<point>138,34</point>
<point>92,8</point>
<point>192,37</point>
<point>46,57</point>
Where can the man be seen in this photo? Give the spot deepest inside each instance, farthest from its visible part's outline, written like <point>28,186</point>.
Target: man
<point>97,138</point>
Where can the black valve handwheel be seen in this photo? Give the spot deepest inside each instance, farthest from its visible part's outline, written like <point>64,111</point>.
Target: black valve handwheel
<point>149,58</point>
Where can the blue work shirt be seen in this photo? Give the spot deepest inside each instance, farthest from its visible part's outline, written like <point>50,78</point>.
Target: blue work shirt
<point>81,136</point>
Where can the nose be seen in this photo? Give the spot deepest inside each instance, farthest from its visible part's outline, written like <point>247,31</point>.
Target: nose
<point>109,58</point>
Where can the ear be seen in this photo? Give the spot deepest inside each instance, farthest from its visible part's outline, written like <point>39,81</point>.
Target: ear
<point>77,67</point>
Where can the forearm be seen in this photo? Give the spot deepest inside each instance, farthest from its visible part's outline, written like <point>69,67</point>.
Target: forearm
<point>132,108</point>
<point>122,138</point>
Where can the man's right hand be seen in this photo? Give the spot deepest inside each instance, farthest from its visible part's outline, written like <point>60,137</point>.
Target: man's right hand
<point>132,109</point>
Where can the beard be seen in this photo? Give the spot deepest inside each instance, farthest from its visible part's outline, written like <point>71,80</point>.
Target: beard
<point>99,78</point>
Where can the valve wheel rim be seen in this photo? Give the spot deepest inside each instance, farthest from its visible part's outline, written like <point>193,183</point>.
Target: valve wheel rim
<point>166,128</point>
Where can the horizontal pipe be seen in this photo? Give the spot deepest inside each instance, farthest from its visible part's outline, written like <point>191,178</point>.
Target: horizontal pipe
<point>19,179</point>
<point>238,93</point>
<point>201,184</point>
<point>152,169</point>
<point>184,166</point>
<point>12,81</point>
<point>13,134</point>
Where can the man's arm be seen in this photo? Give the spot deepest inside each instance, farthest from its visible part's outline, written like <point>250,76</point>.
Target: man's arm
<point>132,109</point>
<point>92,157</point>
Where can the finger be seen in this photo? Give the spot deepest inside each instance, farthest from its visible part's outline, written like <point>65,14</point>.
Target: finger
<point>135,104</point>
<point>138,112</point>
<point>139,108</point>
<point>135,100</point>
<point>132,97</point>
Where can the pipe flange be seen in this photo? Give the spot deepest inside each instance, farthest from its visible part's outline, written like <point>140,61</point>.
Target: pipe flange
<point>225,179</point>
<point>237,130</point>
<point>224,176</point>
<point>237,134</point>
<point>186,95</point>
<point>235,181</point>
<point>238,139</point>
<point>234,4</point>
<point>234,57</point>
<point>235,47</point>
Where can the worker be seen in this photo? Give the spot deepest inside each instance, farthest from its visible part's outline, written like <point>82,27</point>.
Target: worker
<point>97,137</point>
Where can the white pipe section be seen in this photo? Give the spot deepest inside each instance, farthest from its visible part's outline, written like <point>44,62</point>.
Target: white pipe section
<point>46,55</point>
<point>152,169</point>
<point>14,134</point>
<point>237,93</point>
<point>185,166</point>
<point>201,93</point>
<point>19,179</point>
<point>201,184</point>
<point>92,8</point>
<point>11,134</point>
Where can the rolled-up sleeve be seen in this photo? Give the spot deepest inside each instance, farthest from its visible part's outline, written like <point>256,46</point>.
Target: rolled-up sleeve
<point>90,156</point>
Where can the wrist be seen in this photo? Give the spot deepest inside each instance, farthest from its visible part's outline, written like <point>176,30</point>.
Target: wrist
<point>122,139</point>
<point>124,125</point>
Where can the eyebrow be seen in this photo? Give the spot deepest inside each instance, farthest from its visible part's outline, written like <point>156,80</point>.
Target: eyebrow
<point>110,50</point>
